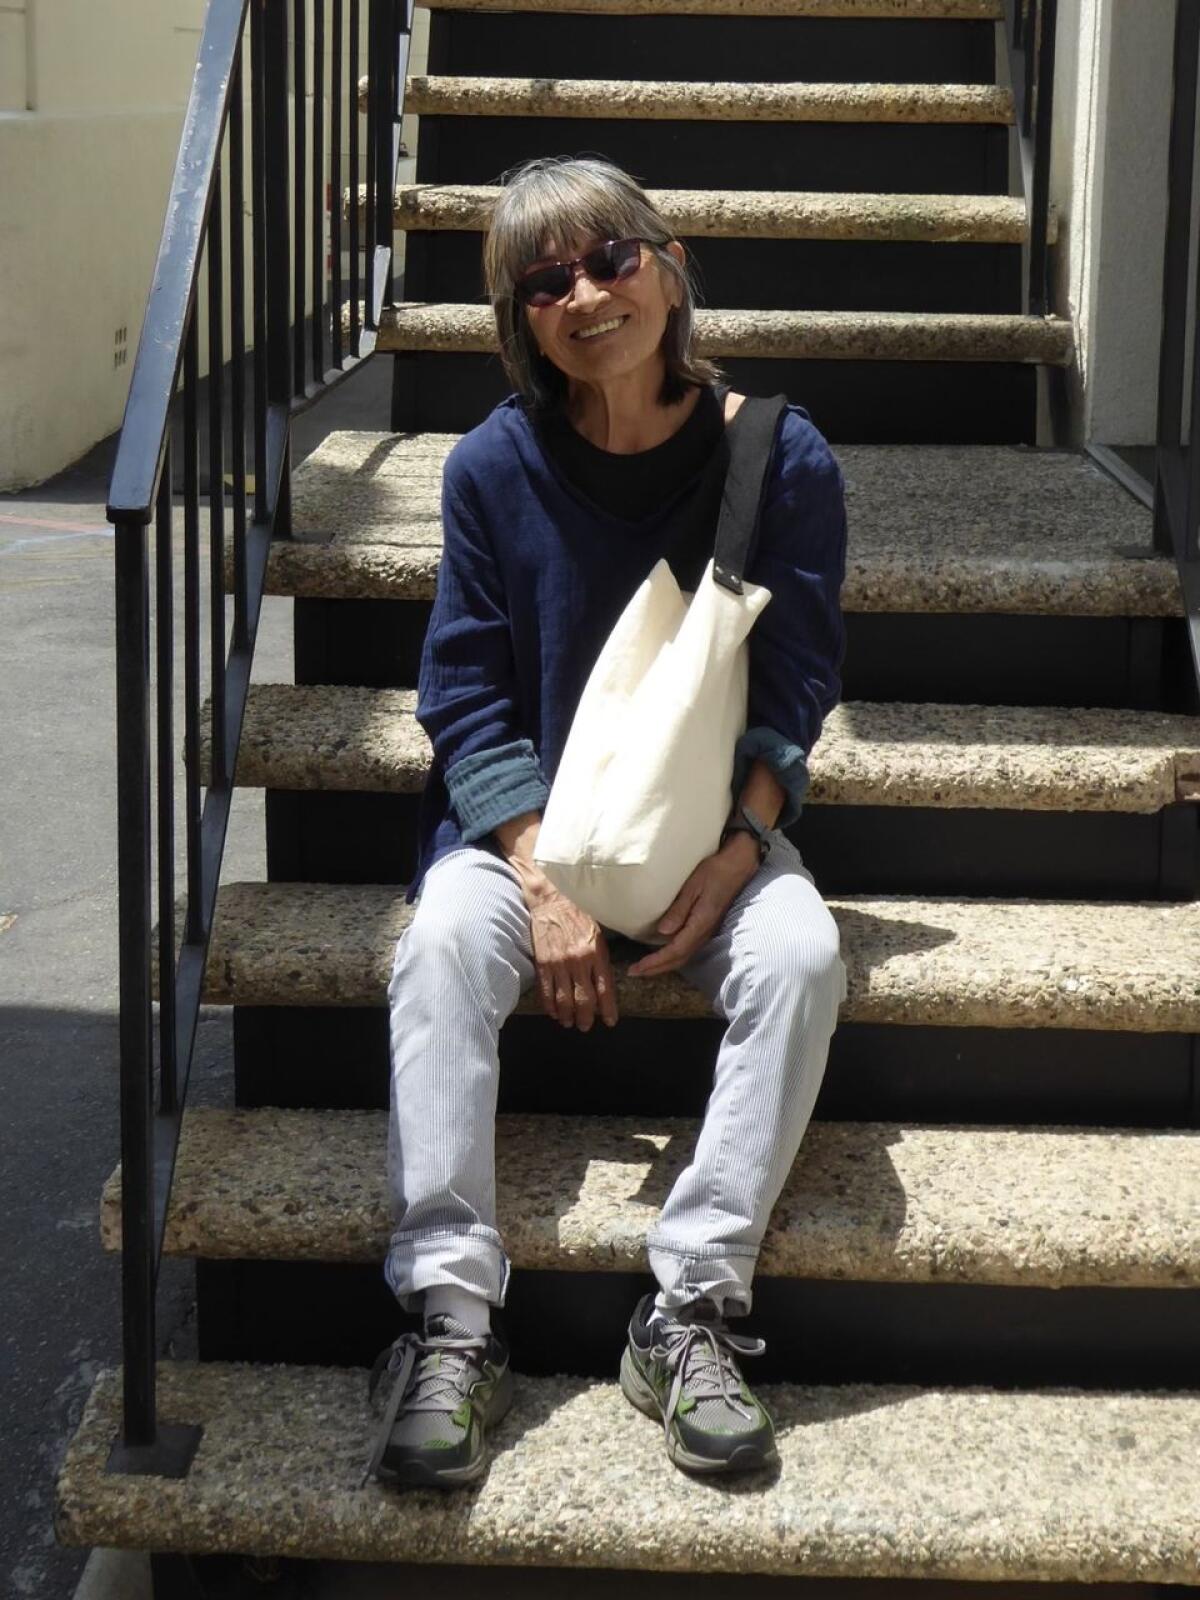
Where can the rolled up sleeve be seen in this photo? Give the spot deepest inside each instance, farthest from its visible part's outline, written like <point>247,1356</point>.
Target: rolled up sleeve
<point>797,645</point>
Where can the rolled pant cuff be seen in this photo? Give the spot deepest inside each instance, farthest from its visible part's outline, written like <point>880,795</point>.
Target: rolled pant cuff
<point>718,1272</point>
<point>470,1258</point>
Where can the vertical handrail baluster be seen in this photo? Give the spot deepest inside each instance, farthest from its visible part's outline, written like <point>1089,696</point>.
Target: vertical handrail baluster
<point>258,163</point>
<point>237,354</point>
<point>216,490</point>
<point>299,152</point>
<point>371,228</point>
<point>319,191</point>
<point>337,184</point>
<point>193,931</point>
<point>355,179</point>
<point>164,686</point>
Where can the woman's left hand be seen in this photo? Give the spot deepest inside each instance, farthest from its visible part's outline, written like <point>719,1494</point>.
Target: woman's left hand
<point>695,913</point>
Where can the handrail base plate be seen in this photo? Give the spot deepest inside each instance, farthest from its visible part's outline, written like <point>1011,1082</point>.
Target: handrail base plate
<point>170,1456</point>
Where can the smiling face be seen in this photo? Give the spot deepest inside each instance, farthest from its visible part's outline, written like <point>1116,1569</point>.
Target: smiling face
<point>601,332</point>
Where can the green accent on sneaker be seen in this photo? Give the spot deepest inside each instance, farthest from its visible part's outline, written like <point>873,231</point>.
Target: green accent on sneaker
<point>690,1378</point>
<point>440,1391</point>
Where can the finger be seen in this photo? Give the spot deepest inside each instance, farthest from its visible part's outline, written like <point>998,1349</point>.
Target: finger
<point>564,999</point>
<point>682,947</point>
<point>585,999</point>
<point>680,908</point>
<point>546,990</point>
<point>606,992</point>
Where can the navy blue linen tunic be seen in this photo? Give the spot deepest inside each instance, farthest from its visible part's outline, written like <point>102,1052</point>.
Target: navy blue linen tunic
<point>532,579</point>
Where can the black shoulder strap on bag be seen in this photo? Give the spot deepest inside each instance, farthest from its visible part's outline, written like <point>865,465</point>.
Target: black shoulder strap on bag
<point>749,439</point>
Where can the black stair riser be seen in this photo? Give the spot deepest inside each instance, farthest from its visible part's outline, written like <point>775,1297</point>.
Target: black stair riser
<point>943,657</point>
<point>781,274</point>
<point>699,49</point>
<point>851,402</point>
<point>342,837</point>
<point>861,157</point>
<point>241,1578</point>
<point>816,1331</point>
<point>323,1056</point>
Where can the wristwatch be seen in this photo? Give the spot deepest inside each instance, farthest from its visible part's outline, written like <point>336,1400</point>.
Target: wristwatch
<point>743,820</point>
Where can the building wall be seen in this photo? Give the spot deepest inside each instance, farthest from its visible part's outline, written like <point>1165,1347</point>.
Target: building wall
<point>1112,98</point>
<point>91,103</point>
<point>91,107</point>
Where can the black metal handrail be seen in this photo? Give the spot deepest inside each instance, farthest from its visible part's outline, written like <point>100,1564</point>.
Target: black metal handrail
<point>1031,30</point>
<point>301,344</point>
<point>1177,460</point>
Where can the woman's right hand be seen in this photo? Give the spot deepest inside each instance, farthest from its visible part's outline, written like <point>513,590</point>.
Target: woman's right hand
<point>574,970</point>
<point>570,952</point>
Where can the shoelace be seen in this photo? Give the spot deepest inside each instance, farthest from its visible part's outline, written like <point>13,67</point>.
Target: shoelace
<point>704,1355</point>
<point>431,1389</point>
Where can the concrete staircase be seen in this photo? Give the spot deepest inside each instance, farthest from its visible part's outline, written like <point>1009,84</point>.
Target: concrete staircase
<point>981,1287</point>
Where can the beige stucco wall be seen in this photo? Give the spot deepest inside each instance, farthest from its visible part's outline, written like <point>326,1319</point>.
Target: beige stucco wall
<point>1112,96</point>
<point>91,102</point>
<point>91,107</point>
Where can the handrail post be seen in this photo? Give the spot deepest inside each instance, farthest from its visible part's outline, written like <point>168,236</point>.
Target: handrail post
<point>133,880</point>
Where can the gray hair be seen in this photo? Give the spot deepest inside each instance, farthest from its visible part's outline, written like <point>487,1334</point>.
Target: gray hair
<point>564,198</point>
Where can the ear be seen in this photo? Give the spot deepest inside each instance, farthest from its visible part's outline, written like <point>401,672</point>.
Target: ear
<point>674,248</point>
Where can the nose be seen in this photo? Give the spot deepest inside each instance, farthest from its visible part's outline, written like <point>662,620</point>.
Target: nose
<point>584,293</point>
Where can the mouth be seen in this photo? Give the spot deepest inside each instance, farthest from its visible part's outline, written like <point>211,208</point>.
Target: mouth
<point>599,330</point>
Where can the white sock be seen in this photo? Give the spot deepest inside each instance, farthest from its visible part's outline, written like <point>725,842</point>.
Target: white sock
<point>471,1310</point>
<point>662,1311</point>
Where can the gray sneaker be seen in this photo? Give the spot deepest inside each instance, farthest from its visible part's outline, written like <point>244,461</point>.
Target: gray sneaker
<point>683,1368</point>
<point>436,1394</point>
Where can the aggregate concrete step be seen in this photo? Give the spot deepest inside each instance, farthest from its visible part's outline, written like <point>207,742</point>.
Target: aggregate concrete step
<point>649,101</point>
<point>330,737</point>
<point>875,1482</point>
<point>916,10</point>
<point>866,1201</point>
<point>761,214</point>
<point>779,335</point>
<point>931,962</point>
<point>932,528</point>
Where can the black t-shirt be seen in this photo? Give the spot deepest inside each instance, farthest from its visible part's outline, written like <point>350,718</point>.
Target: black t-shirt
<point>636,485</point>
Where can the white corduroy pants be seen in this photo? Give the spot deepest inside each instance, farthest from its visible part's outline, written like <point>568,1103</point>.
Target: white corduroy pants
<point>772,970</point>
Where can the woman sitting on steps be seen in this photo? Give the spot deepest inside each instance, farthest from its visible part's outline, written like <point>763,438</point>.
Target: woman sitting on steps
<point>555,509</point>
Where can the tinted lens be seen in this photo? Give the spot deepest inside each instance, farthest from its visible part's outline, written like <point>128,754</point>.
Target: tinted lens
<point>618,258</point>
<point>608,262</point>
<point>544,285</point>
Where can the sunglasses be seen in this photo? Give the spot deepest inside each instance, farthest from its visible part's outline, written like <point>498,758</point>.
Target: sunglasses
<point>607,263</point>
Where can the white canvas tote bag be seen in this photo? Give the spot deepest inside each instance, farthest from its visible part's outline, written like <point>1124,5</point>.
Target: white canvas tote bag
<point>642,789</point>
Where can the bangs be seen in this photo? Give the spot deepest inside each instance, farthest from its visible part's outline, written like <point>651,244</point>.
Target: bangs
<point>563,206</point>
